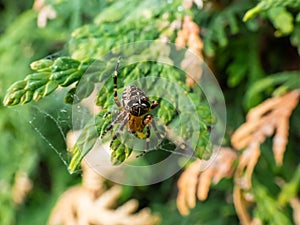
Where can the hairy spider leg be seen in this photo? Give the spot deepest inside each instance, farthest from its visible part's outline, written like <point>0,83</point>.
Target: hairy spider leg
<point>148,136</point>
<point>111,125</point>
<point>117,134</point>
<point>154,105</point>
<point>115,84</point>
<point>157,133</point>
<point>149,122</point>
<point>114,111</point>
<point>159,136</point>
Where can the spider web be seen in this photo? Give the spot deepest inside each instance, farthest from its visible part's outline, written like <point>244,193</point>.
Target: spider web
<point>52,126</point>
<point>52,119</point>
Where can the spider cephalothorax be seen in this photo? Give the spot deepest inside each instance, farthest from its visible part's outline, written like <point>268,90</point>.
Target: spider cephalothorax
<point>133,113</point>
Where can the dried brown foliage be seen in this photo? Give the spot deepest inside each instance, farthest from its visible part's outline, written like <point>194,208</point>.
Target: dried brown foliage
<point>189,36</point>
<point>267,119</point>
<point>21,187</point>
<point>45,12</point>
<point>295,204</point>
<point>193,180</point>
<point>271,118</point>
<point>189,3</point>
<point>92,203</point>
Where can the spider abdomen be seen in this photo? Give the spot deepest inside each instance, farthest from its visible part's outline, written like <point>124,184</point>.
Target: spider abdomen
<point>135,124</point>
<point>135,101</point>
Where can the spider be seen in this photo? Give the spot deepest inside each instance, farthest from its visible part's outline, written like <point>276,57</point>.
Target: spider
<point>133,113</point>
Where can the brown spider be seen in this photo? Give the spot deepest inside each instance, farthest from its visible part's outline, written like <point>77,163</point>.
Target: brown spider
<point>133,113</point>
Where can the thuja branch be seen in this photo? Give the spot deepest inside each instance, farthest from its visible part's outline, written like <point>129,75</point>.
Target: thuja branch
<point>269,4</point>
<point>289,190</point>
<point>47,77</point>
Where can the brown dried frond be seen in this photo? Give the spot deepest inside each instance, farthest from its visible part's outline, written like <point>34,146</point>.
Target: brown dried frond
<point>189,37</point>
<point>195,181</point>
<point>241,206</point>
<point>45,12</point>
<point>91,180</point>
<point>265,119</point>
<point>78,206</point>
<point>91,203</point>
<point>272,116</point>
<point>21,187</point>
<point>246,165</point>
<point>189,3</point>
<point>256,221</point>
<point>295,204</point>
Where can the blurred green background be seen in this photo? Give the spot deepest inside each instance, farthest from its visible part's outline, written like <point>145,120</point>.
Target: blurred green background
<point>240,54</point>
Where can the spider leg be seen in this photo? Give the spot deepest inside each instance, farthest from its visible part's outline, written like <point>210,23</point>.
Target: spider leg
<point>154,105</point>
<point>111,125</point>
<point>115,111</point>
<point>115,84</point>
<point>147,142</point>
<point>148,137</point>
<point>148,121</point>
<point>159,136</point>
<point>117,134</point>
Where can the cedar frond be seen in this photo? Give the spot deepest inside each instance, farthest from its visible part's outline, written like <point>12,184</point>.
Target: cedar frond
<point>272,116</point>
<point>196,181</point>
<point>189,36</point>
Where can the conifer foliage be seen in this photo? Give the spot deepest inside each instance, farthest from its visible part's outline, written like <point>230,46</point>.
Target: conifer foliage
<point>251,47</point>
